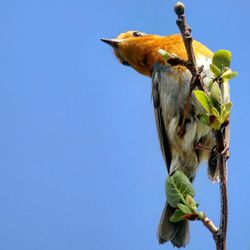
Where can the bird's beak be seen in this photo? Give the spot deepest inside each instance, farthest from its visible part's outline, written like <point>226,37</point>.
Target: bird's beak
<point>112,42</point>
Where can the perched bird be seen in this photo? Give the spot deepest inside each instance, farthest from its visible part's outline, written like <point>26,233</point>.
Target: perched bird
<point>170,89</point>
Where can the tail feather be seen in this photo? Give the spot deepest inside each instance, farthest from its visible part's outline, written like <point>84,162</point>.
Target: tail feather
<point>177,233</point>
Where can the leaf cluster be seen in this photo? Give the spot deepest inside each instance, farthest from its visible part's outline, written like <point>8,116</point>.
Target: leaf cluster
<point>217,108</point>
<point>180,193</point>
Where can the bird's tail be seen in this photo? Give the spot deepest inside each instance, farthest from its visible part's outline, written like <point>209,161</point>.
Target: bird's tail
<point>177,233</point>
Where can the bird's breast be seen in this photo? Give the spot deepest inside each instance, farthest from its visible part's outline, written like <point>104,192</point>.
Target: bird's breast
<point>173,90</point>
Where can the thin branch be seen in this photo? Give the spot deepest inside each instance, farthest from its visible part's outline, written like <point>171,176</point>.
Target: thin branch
<point>220,237</point>
<point>188,40</point>
<point>197,81</point>
<point>209,224</point>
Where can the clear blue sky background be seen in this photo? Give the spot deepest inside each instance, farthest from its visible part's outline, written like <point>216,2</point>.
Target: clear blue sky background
<point>80,164</point>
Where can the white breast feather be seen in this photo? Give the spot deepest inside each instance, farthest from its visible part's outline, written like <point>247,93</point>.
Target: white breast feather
<point>174,89</point>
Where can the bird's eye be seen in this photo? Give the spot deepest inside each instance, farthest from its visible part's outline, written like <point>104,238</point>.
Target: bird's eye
<point>125,63</point>
<point>137,33</point>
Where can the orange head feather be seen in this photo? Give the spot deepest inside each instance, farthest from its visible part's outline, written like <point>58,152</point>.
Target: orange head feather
<point>140,50</point>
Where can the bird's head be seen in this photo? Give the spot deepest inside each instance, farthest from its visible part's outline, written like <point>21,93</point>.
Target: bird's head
<point>137,49</point>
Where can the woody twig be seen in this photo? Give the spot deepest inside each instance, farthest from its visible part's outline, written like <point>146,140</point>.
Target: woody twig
<point>221,137</point>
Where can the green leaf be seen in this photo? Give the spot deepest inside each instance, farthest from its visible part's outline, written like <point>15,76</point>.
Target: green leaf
<point>229,74</point>
<point>225,116</point>
<point>191,202</point>
<point>225,111</point>
<point>215,70</point>
<point>177,216</point>
<point>200,215</point>
<point>225,69</point>
<point>222,58</point>
<point>185,209</point>
<point>215,119</point>
<point>210,84</point>
<point>202,98</point>
<point>226,106</point>
<point>178,186</point>
<point>204,118</point>
<point>214,112</point>
<point>165,54</point>
<point>215,122</point>
<point>215,95</point>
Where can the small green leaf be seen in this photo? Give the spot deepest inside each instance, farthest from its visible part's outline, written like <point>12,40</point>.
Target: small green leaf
<point>178,186</point>
<point>229,74</point>
<point>215,95</point>
<point>222,58</point>
<point>200,215</point>
<point>225,69</point>
<point>225,116</point>
<point>185,209</point>
<point>202,98</point>
<point>215,70</point>
<point>214,112</point>
<point>215,122</point>
<point>204,118</point>
<point>177,216</point>
<point>225,111</point>
<point>210,84</point>
<point>191,202</point>
<point>227,106</point>
<point>165,54</point>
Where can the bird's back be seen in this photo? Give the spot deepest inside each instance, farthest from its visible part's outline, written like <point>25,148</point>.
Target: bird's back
<point>175,45</point>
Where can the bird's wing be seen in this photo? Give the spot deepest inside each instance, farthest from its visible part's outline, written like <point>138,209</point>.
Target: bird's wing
<point>162,133</point>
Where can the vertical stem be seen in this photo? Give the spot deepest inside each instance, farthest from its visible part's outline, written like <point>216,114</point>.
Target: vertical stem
<point>220,237</point>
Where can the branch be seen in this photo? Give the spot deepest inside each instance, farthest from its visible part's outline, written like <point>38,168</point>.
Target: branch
<point>220,237</point>
<point>196,81</point>
<point>196,71</point>
<point>188,40</point>
<point>209,225</point>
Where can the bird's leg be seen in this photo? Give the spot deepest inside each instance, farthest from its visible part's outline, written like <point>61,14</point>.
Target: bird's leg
<point>200,146</point>
<point>215,155</point>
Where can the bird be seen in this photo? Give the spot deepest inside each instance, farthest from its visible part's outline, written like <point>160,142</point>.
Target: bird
<point>170,90</point>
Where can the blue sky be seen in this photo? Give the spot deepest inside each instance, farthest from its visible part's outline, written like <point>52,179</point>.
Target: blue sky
<point>81,167</point>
